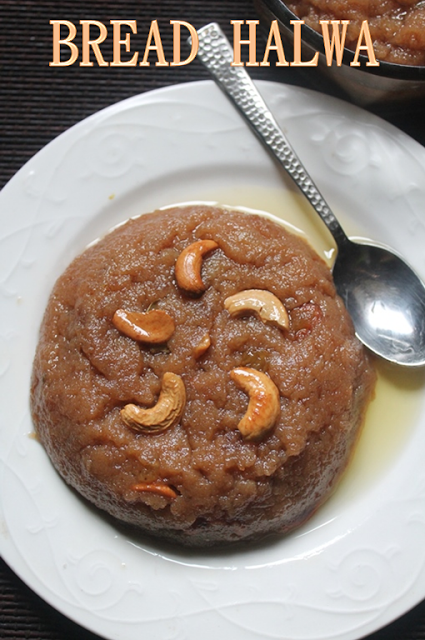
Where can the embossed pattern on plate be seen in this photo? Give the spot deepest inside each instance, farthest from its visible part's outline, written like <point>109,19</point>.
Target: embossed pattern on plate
<point>359,562</point>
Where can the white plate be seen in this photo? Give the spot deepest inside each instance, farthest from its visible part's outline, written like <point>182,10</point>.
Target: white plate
<point>360,562</point>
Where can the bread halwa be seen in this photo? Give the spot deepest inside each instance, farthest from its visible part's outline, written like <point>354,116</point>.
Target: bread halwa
<point>227,423</point>
<point>397,27</point>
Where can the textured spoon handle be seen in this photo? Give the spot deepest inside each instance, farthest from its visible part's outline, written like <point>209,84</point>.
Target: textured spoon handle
<point>216,54</point>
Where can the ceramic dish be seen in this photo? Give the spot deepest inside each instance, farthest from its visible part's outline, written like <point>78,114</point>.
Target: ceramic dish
<point>360,562</point>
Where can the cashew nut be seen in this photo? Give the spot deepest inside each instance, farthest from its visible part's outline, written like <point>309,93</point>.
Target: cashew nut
<point>202,346</point>
<point>264,404</point>
<point>153,327</point>
<point>167,411</point>
<point>265,305</point>
<point>188,266</point>
<point>156,487</point>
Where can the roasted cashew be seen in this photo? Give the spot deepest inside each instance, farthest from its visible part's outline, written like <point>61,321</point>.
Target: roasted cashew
<point>153,327</point>
<point>262,303</point>
<point>160,489</point>
<point>202,346</point>
<point>264,404</point>
<point>188,266</point>
<point>167,411</point>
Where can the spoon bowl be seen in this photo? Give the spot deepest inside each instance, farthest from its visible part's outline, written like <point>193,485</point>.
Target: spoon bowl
<point>386,301</point>
<point>385,298</point>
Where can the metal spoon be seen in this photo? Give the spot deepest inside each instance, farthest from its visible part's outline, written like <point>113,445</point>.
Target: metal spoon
<point>384,297</point>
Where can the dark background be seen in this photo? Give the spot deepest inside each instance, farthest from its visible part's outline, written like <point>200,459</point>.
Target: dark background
<point>38,102</point>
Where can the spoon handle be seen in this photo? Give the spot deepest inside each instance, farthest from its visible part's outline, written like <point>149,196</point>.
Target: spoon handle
<point>216,54</point>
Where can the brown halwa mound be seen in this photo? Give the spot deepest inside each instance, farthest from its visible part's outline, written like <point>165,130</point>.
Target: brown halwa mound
<point>397,27</point>
<point>223,487</point>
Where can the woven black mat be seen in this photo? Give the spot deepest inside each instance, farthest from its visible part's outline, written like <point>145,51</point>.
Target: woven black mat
<point>37,103</point>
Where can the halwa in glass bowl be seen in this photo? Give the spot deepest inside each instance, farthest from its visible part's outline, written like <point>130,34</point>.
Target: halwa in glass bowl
<point>398,35</point>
